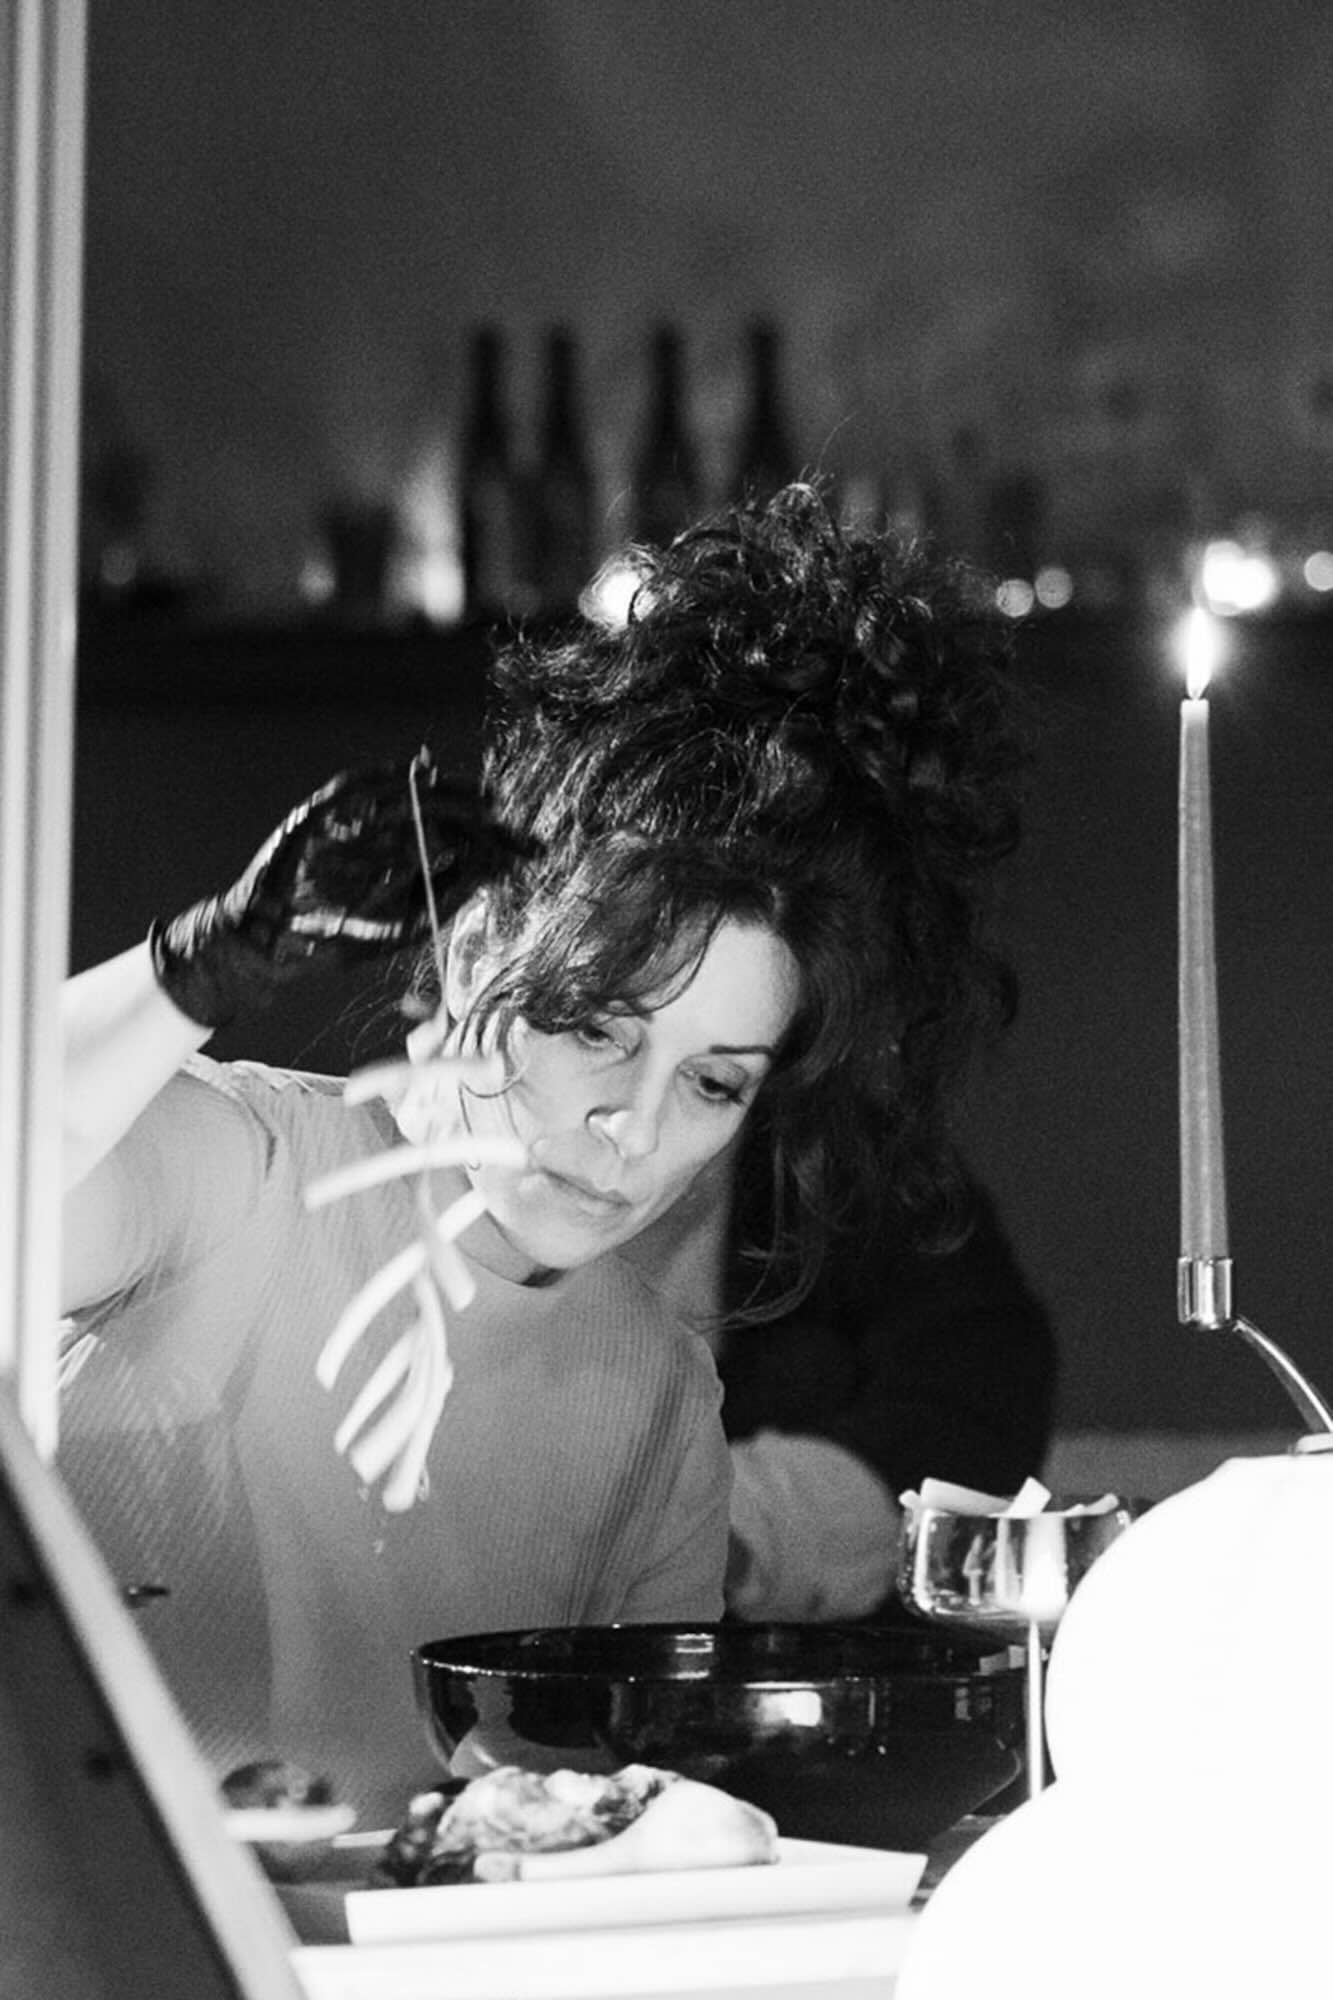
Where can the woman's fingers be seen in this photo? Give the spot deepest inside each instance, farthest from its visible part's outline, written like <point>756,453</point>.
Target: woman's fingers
<point>428,1038</point>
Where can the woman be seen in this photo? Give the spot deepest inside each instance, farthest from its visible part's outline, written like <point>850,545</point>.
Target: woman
<point>730,880</point>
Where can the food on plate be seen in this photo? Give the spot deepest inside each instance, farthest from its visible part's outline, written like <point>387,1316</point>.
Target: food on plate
<point>515,1825</point>
<point>685,1825</point>
<point>274,1783</point>
<point>282,1813</point>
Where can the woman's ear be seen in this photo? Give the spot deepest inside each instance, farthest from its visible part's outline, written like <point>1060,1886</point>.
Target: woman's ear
<point>470,959</point>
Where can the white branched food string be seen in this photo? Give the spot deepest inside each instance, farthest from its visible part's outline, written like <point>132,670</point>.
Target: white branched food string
<point>387,1430</point>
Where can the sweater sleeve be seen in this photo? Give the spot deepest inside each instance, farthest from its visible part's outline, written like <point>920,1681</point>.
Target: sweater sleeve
<point>680,1575</point>
<point>814,1530</point>
<point>944,1366</point>
<point>177,1188</point>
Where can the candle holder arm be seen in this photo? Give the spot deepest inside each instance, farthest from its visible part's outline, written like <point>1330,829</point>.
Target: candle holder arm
<point>1314,1411</point>
<point>1203,1299</point>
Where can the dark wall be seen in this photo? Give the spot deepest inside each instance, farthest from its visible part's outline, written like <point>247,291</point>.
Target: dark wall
<point>191,746</point>
<point>1077,1125</point>
<point>190,749</point>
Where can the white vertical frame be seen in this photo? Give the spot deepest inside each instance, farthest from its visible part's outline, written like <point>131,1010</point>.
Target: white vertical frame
<point>113,1772</point>
<point>42,78</point>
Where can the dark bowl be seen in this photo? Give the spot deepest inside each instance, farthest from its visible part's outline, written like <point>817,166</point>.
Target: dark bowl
<point>867,1735</point>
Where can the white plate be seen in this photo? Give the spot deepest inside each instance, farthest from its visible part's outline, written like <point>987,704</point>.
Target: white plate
<point>288,1826</point>
<point>828,1956</point>
<point>808,1877</point>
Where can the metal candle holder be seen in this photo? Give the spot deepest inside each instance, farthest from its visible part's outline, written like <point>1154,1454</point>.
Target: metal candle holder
<point>1204,1299</point>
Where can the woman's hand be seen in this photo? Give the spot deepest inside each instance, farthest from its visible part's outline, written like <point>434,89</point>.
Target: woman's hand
<point>362,868</point>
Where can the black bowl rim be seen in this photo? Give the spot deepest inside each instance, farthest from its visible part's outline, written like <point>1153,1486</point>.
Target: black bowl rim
<point>448,1656</point>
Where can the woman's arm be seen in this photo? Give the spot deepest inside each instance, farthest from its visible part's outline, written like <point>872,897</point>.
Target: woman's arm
<point>814,1532</point>
<point>169,1193</point>
<point>123,1042</point>
<point>123,1038</point>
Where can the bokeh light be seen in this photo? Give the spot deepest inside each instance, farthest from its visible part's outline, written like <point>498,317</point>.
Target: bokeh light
<point>1054,587</point>
<point>1233,579</point>
<point>1015,597</point>
<point>1318,570</point>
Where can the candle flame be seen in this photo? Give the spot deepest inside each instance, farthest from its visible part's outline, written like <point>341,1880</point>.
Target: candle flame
<point>1198,645</point>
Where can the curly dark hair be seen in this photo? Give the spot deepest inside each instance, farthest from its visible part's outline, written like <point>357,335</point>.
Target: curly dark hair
<point>800,724</point>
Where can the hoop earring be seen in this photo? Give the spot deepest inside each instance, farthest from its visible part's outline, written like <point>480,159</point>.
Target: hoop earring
<point>513,1073</point>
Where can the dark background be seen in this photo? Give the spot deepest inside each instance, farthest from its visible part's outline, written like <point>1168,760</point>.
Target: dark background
<point>1092,240</point>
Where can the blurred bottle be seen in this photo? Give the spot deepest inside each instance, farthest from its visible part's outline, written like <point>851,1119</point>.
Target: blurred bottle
<point>562,495</point>
<point>360,537</point>
<point>1016,513</point>
<point>968,476</point>
<point>765,457</point>
<point>491,488</point>
<point>664,478</point>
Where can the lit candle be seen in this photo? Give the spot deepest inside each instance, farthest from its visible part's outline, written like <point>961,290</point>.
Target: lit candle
<point>1203,1194</point>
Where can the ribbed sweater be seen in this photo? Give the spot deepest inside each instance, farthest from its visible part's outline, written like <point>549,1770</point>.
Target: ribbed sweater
<point>579,1473</point>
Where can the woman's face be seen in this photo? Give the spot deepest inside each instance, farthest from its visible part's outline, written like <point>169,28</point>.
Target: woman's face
<point>618,1117</point>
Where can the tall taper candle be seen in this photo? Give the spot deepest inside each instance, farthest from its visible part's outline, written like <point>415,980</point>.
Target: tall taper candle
<point>1203,1193</point>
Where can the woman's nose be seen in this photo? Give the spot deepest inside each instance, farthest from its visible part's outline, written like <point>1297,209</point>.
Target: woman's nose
<point>632,1124</point>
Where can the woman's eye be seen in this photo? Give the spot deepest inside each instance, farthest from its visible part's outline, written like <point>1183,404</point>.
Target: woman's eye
<point>718,1089</point>
<point>592,1035</point>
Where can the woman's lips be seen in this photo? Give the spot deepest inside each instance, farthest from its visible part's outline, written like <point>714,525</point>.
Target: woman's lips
<point>584,1194</point>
